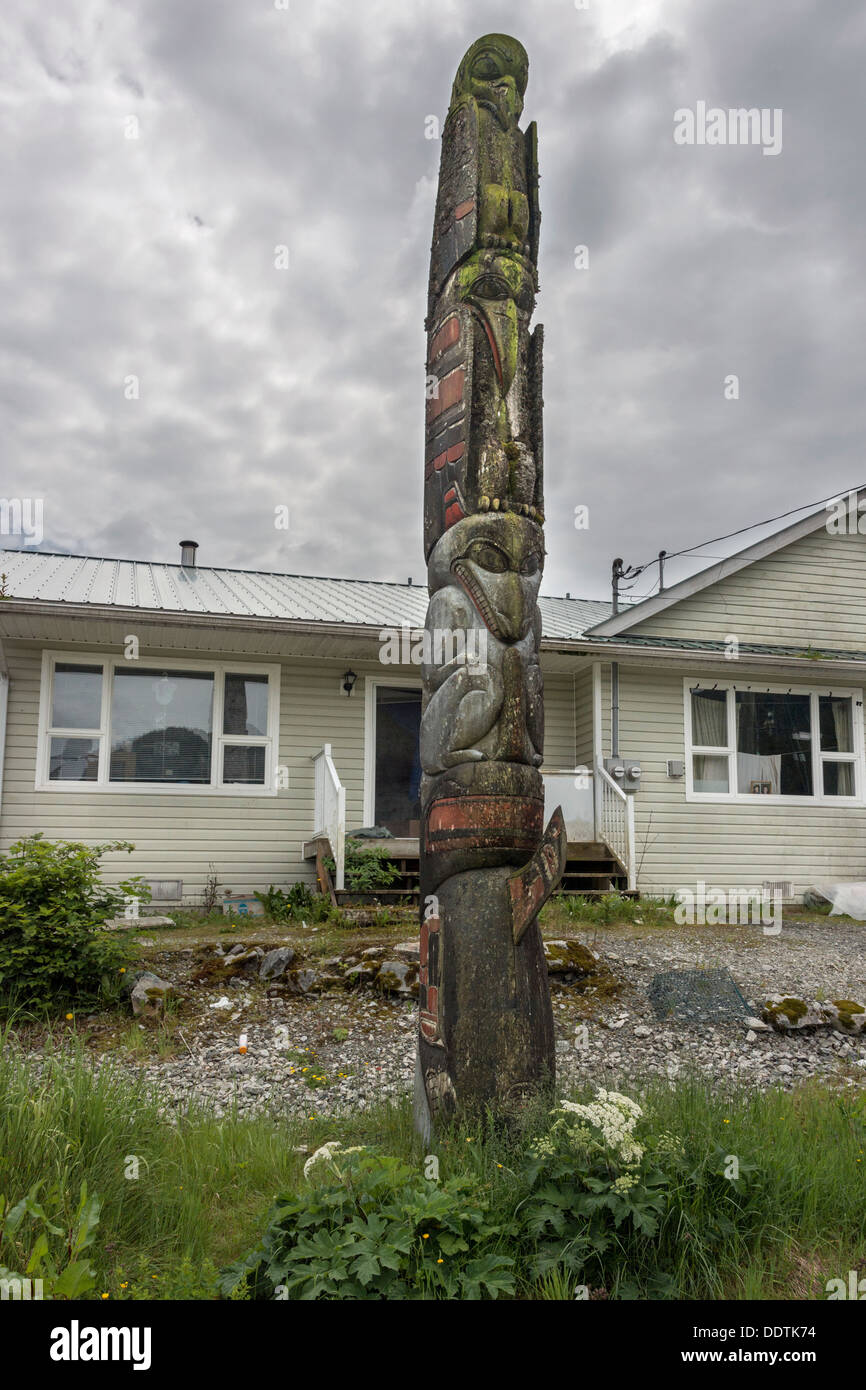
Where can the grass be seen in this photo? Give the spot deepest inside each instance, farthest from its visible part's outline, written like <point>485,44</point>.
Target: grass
<point>204,1185</point>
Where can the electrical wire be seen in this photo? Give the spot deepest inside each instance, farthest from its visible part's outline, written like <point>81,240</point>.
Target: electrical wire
<point>690,550</point>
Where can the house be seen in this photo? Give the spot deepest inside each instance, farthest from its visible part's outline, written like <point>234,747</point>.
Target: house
<point>236,722</point>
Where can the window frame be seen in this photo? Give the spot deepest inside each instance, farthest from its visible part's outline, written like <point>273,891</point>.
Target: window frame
<point>819,757</point>
<point>110,663</point>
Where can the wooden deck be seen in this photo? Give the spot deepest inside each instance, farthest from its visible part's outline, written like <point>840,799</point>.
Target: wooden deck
<point>592,869</point>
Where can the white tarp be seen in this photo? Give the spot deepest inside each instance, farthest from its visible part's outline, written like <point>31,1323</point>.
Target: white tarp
<point>848,899</point>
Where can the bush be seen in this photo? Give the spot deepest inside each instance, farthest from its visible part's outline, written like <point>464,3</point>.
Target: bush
<point>298,902</point>
<point>53,947</point>
<point>368,1226</point>
<point>366,869</point>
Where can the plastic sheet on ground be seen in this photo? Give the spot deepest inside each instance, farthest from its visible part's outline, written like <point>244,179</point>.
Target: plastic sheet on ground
<point>848,899</point>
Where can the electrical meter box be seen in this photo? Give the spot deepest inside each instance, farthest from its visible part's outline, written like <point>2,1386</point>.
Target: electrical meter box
<point>625,772</point>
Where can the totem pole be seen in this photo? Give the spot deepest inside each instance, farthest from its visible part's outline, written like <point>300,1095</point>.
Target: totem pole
<point>487,864</point>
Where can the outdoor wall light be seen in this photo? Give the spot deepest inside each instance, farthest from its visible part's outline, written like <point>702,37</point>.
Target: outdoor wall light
<point>349,682</point>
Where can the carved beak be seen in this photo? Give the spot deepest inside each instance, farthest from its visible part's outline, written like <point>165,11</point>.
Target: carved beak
<point>500,322</point>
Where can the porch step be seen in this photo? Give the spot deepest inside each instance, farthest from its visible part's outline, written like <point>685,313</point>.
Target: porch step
<point>591,870</point>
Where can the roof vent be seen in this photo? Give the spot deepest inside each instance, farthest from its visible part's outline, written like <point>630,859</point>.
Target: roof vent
<point>187,554</point>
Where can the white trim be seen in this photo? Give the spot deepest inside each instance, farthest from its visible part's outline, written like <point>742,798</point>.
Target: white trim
<point>110,662</point>
<point>649,607</point>
<point>858,757</point>
<point>371,685</point>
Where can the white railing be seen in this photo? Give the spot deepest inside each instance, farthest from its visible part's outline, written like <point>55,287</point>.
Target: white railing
<point>614,819</point>
<point>330,812</point>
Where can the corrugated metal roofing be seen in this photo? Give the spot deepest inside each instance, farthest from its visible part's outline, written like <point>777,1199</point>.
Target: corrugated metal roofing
<point>705,644</point>
<point>85,579</point>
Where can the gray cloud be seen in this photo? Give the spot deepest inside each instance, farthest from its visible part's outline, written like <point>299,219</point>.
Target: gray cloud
<point>154,257</point>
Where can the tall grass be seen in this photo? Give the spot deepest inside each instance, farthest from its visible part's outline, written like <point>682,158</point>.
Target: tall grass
<point>204,1185</point>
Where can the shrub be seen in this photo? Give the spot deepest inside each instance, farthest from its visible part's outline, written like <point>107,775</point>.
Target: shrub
<point>53,946</point>
<point>298,902</point>
<point>368,1226</point>
<point>366,869</point>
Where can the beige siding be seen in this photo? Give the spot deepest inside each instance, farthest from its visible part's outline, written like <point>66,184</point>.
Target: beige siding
<point>727,845</point>
<point>810,593</point>
<point>582,697</point>
<point>558,722</point>
<point>251,840</point>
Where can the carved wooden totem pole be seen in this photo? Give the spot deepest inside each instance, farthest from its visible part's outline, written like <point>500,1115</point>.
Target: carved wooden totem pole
<point>487,864</point>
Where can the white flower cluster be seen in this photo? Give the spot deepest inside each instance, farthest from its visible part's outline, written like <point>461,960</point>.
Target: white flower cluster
<point>326,1155</point>
<point>615,1116</point>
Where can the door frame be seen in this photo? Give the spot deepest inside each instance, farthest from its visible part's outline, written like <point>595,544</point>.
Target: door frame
<point>371,685</point>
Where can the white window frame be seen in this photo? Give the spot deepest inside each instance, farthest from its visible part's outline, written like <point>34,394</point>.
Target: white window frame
<point>818,797</point>
<point>110,663</point>
<point>371,685</point>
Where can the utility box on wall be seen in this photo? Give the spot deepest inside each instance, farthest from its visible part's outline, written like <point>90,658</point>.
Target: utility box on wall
<point>626,772</point>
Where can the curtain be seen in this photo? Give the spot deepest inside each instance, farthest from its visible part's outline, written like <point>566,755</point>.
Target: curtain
<point>710,719</point>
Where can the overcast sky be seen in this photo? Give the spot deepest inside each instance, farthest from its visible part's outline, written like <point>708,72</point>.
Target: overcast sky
<point>256,127</point>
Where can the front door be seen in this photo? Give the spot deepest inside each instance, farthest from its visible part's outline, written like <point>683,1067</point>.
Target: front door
<point>397,725</point>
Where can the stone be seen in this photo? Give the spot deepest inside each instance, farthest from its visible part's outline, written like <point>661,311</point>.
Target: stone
<point>149,993</point>
<point>845,1016</point>
<point>569,958</point>
<point>788,1014</point>
<point>136,923</point>
<point>642,1031</point>
<point>398,977</point>
<point>276,963</point>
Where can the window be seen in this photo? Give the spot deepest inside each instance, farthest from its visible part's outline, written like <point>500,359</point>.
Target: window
<point>791,743</point>
<point>174,724</point>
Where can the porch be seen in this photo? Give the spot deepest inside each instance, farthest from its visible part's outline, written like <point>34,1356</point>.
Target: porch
<point>599,818</point>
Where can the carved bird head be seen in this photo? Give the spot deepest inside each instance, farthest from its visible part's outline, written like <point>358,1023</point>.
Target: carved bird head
<point>494,72</point>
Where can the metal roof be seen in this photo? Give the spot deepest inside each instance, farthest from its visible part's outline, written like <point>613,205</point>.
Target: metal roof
<point>38,576</point>
<point>805,651</point>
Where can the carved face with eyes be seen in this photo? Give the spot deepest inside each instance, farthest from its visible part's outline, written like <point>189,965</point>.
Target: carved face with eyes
<point>495,71</point>
<point>497,560</point>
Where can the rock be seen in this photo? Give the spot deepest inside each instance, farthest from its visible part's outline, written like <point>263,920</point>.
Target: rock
<point>129,923</point>
<point>845,1016</point>
<point>236,949</point>
<point>569,958</point>
<point>757,1025</point>
<point>149,993</point>
<point>788,1014</point>
<point>305,979</point>
<point>398,977</point>
<point>751,1036</point>
<point>408,950</point>
<point>222,1003</point>
<point>276,963</point>
<point>642,1031</point>
<point>246,961</point>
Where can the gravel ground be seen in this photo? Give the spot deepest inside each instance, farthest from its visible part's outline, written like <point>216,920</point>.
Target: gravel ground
<point>343,1051</point>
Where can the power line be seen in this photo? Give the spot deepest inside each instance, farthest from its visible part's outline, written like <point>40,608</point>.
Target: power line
<point>672,555</point>
<point>633,572</point>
